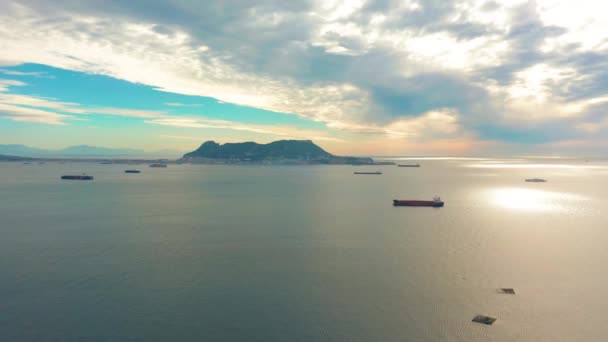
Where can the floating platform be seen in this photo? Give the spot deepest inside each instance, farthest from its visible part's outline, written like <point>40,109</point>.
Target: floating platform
<point>487,320</point>
<point>507,290</point>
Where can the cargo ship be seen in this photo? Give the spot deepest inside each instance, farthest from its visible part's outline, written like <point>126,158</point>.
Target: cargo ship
<point>132,171</point>
<point>409,165</point>
<point>436,203</point>
<point>158,165</point>
<point>536,180</point>
<point>77,177</point>
<point>367,173</point>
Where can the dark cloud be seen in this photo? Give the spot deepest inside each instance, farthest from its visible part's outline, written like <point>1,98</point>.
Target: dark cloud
<point>525,39</point>
<point>490,6</point>
<point>425,92</point>
<point>594,67</point>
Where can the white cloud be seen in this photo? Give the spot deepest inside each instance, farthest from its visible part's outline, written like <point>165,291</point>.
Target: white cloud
<point>5,84</point>
<point>446,51</point>
<point>533,95</point>
<point>33,101</point>
<point>178,104</point>
<point>326,60</point>
<point>22,73</point>
<point>436,124</point>
<point>12,106</point>
<point>419,50</point>
<point>18,113</point>
<point>584,20</point>
<point>136,53</point>
<point>134,113</point>
<point>440,123</point>
<point>25,101</point>
<point>180,137</point>
<point>206,123</point>
<point>594,127</point>
<point>50,111</point>
<point>277,131</point>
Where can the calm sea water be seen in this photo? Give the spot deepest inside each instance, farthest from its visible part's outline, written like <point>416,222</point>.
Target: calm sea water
<point>314,253</point>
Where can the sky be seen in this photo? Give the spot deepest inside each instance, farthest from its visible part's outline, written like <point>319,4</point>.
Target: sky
<point>384,77</point>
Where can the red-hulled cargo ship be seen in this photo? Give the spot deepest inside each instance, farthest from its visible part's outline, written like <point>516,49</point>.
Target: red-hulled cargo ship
<point>77,177</point>
<point>436,203</point>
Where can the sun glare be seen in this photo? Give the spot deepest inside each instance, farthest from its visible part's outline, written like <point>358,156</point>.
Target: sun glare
<point>500,165</point>
<point>530,199</point>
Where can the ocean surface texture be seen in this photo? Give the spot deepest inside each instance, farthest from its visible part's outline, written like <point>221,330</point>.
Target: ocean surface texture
<point>304,253</point>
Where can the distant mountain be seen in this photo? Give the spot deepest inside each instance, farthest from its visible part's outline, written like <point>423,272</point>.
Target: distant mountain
<point>281,152</point>
<point>92,151</point>
<point>13,158</point>
<point>21,150</point>
<point>72,151</point>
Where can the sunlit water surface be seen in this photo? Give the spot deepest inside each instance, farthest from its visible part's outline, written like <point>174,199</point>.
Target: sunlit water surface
<point>268,253</point>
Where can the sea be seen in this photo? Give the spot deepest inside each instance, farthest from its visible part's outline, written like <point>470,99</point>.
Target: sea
<point>305,253</point>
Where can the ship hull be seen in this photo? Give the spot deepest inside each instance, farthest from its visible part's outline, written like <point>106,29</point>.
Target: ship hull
<point>69,177</point>
<point>417,203</point>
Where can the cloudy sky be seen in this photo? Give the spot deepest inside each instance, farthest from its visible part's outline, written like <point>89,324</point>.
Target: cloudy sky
<point>410,77</point>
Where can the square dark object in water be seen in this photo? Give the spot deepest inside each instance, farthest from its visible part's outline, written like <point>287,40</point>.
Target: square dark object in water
<point>507,291</point>
<point>484,319</point>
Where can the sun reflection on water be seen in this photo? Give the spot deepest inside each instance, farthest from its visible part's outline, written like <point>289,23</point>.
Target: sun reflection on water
<point>531,199</point>
<point>504,165</point>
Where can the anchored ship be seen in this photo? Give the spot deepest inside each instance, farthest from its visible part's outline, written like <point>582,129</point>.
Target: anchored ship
<point>77,177</point>
<point>536,180</point>
<point>132,171</point>
<point>436,203</point>
<point>409,165</point>
<point>367,173</point>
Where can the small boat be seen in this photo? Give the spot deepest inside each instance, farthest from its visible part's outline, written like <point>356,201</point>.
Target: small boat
<point>408,165</point>
<point>367,173</point>
<point>158,165</point>
<point>536,180</point>
<point>132,171</point>
<point>487,320</point>
<point>436,203</point>
<point>77,177</point>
